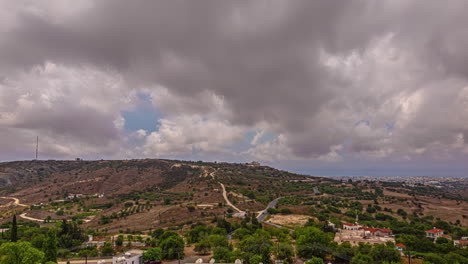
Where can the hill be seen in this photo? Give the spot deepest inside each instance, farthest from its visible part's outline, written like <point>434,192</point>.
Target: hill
<point>151,193</point>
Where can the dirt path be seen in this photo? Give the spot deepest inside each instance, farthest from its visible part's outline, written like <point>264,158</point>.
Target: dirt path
<point>16,202</point>
<point>227,200</point>
<point>23,215</point>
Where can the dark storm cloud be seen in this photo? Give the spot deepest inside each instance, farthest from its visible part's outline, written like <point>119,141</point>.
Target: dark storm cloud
<point>265,59</point>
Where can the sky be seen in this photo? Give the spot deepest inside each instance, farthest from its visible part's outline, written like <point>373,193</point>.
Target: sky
<point>376,87</point>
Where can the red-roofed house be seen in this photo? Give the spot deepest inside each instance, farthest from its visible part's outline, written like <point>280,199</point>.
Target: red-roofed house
<point>446,236</point>
<point>461,243</point>
<point>400,247</point>
<point>434,233</point>
<point>381,232</point>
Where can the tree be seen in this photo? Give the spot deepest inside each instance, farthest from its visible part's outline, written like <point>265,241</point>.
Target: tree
<point>19,253</point>
<point>381,253</point>
<point>14,230</point>
<point>50,247</point>
<point>315,260</point>
<point>223,255</point>
<point>240,233</point>
<point>361,259</point>
<point>157,233</point>
<point>455,258</point>
<point>310,241</point>
<point>173,247</point>
<point>257,244</point>
<point>119,241</point>
<point>218,241</point>
<point>285,252</point>
<point>152,254</point>
<point>107,249</point>
<point>434,259</point>
<point>255,259</point>
<point>203,247</point>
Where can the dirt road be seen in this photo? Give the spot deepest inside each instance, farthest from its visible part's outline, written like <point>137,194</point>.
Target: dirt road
<point>227,200</point>
<point>16,202</point>
<point>23,215</point>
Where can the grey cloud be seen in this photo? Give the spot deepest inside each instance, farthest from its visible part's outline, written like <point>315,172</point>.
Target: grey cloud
<point>264,58</point>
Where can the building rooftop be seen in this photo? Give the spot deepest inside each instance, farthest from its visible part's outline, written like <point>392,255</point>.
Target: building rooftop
<point>435,230</point>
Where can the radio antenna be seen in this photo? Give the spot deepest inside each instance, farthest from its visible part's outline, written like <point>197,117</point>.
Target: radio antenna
<point>37,146</point>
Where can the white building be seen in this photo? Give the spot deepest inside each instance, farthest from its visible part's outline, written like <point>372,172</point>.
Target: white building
<point>434,233</point>
<point>130,257</point>
<point>349,226</point>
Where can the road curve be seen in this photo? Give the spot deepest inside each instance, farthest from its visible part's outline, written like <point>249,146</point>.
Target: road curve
<point>16,201</point>
<point>262,214</point>
<point>23,215</point>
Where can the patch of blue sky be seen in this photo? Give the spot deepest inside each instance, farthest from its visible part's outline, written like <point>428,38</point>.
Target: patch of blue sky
<point>144,116</point>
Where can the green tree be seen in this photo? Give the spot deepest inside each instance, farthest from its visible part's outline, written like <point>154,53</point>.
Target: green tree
<point>152,254</point>
<point>20,253</point>
<point>257,244</point>
<point>107,249</point>
<point>172,247</point>
<point>285,252</point>
<point>434,259</point>
<point>255,259</point>
<point>14,230</point>
<point>203,246</point>
<point>315,260</point>
<point>218,241</point>
<point>157,233</point>
<point>119,240</point>
<point>50,247</point>
<point>362,259</point>
<point>223,255</point>
<point>388,253</point>
<point>310,242</point>
<point>455,258</point>
<point>241,233</point>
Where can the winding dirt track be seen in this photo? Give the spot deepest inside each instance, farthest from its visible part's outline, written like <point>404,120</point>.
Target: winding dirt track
<point>227,200</point>
<point>23,215</point>
<point>16,202</point>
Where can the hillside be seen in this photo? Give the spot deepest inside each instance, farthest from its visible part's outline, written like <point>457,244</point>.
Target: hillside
<point>150,193</point>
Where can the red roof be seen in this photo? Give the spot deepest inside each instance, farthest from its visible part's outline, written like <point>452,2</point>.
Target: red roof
<point>446,236</point>
<point>372,230</point>
<point>385,230</point>
<point>463,242</point>
<point>400,245</point>
<point>435,230</point>
<point>348,224</point>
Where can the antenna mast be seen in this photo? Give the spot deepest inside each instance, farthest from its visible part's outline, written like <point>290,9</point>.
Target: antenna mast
<point>37,146</point>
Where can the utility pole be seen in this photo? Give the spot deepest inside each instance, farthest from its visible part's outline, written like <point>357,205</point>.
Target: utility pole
<point>37,146</point>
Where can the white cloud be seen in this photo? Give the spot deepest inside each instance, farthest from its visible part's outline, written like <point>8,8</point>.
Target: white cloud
<point>189,133</point>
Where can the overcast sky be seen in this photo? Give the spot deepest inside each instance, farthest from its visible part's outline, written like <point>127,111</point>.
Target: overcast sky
<point>323,87</point>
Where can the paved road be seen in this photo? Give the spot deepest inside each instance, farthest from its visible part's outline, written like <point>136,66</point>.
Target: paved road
<point>261,216</point>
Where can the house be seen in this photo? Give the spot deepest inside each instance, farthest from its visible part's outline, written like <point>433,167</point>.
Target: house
<point>382,232</point>
<point>349,226</point>
<point>434,233</point>
<point>461,243</point>
<point>400,247</point>
<point>447,237</point>
<point>130,257</point>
